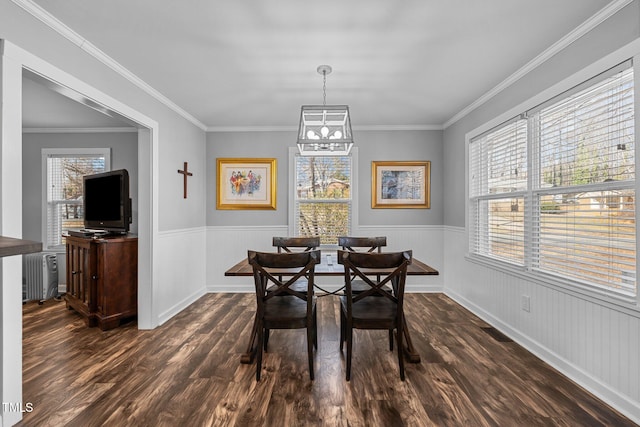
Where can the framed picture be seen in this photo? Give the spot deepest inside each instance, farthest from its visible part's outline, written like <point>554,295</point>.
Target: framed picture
<point>396,185</point>
<point>246,184</point>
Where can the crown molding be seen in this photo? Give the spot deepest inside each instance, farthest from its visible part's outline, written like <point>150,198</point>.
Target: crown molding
<point>397,127</point>
<point>80,130</point>
<point>361,128</point>
<point>252,129</point>
<point>39,13</point>
<point>582,29</point>
<point>52,22</point>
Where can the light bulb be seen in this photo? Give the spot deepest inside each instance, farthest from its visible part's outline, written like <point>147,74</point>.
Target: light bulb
<point>324,131</point>
<point>337,134</point>
<point>311,134</point>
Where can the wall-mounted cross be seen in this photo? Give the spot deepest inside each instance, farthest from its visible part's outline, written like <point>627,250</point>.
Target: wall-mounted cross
<point>186,174</point>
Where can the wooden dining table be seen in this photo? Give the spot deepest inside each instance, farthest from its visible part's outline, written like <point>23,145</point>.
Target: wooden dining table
<point>329,267</point>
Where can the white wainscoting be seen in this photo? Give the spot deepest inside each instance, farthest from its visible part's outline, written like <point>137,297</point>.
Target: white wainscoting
<point>592,343</point>
<point>181,276</point>
<point>228,245</point>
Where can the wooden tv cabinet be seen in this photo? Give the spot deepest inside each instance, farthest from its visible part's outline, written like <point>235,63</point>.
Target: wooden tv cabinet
<point>102,279</point>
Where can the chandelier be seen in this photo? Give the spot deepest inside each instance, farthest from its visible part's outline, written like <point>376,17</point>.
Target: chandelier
<point>324,129</point>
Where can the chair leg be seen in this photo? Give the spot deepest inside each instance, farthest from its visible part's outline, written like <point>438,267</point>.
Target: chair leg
<point>400,351</point>
<point>266,339</point>
<point>349,333</point>
<point>259,344</point>
<point>391,340</point>
<point>310,339</point>
<point>315,328</point>
<point>342,333</point>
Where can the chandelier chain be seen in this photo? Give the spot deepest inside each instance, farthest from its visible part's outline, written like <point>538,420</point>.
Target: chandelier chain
<point>324,88</point>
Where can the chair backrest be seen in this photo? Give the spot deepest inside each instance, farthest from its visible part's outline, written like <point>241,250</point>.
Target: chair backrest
<point>293,244</point>
<point>360,244</point>
<point>269,269</point>
<point>390,267</point>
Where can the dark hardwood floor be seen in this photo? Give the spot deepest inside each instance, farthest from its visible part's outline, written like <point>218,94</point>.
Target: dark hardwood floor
<point>188,373</point>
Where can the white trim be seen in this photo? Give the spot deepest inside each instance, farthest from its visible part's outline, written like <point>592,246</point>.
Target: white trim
<point>611,300</point>
<point>624,53</point>
<point>293,151</point>
<point>582,29</point>
<point>293,128</point>
<point>75,38</point>
<point>80,130</point>
<point>58,26</point>
<point>180,305</point>
<point>585,379</point>
<point>45,153</point>
<point>185,231</point>
<point>148,169</point>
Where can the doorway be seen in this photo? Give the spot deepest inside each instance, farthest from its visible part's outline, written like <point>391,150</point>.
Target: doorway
<point>13,63</point>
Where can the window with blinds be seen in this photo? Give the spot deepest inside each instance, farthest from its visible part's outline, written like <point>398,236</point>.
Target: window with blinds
<point>323,197</point>
<point>64,189</point>
<point>498,184</point>
<point>554,189</point>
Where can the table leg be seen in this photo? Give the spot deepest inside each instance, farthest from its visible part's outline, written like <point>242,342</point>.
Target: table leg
<point>247,356</point>
<point>412,355</point>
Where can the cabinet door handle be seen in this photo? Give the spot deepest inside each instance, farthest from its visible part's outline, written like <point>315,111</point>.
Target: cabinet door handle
<point>76,272</point>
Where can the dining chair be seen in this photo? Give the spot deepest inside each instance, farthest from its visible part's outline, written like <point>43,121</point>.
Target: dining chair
<point>296,244</point>
<point>362,244</point>
<point>293,244</point>
<point>278,305</point>
<point>374,308</point>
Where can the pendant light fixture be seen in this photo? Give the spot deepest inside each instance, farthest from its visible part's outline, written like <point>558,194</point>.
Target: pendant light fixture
<point>325,129</point>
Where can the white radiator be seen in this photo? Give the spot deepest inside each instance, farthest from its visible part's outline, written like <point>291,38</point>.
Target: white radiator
<point>40,276</point>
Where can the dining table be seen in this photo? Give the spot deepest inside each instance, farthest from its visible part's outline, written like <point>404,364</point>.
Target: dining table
<point>329,267</point>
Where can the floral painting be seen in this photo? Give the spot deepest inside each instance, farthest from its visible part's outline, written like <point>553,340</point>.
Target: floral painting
<point>246,184</point>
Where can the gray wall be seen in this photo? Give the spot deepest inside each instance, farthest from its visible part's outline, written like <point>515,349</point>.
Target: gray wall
<point>179,139</point>
<point>124,155</point>
<point>614,33</point>
<point>372,145</point>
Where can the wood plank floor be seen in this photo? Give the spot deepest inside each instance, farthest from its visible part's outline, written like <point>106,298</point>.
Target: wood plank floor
<point>188,373</point>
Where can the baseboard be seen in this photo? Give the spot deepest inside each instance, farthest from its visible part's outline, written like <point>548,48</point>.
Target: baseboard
<point>180,305</point>
<point>620,402</point>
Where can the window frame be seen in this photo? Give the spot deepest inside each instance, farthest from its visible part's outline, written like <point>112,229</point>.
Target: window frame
<point>63,152</point>
<point>630,52</point>
<point>292,229</point>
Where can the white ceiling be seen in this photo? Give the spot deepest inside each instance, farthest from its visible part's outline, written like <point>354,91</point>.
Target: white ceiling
<point>252,63</point>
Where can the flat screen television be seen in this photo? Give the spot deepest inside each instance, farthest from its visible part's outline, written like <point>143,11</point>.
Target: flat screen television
<point>106,201</point>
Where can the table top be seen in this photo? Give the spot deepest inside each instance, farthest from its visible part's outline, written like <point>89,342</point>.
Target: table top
<point>10,246</point>
<point>329,267</point>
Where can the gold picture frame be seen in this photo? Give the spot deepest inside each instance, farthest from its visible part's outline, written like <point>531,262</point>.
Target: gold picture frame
<point>246,183</point>
<point>401,185</point>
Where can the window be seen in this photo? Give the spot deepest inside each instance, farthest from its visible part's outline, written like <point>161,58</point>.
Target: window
<point>63,170</point>
<point>553,190</point>
<point>323,197</point>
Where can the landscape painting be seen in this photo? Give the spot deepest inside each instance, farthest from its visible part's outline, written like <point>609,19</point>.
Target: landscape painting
<point>397,184</point>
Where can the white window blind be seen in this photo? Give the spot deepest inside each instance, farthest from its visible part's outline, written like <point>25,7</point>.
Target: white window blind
<point>323,197</point>
<point>498,161</point>
<point>554,189</point>
<point>584,219</point>
<point>64,189</point>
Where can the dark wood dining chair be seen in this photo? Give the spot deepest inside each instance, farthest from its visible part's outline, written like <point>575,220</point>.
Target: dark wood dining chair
<point>278,305</point>
<point>362,244</point>
<point>374,308</point>
<point>297,244</point>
